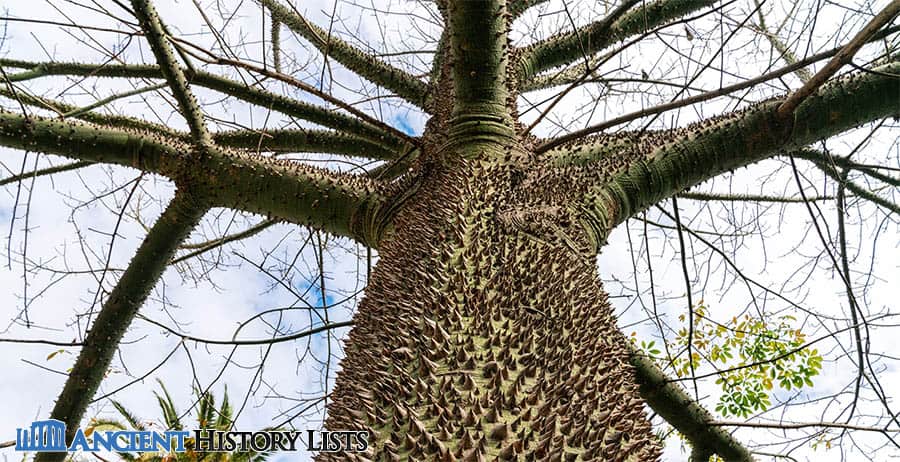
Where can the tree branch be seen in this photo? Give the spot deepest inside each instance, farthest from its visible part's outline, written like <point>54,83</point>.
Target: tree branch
<point>567,47</point>
<point>831,162</point>
<point>65,110</point>
<point>800,425</point>
<point>478,41</point>
<point>623,185</point>
<point>303,140</point>
<point>203,247</point>
<point>257,96</point>
<point>832,171</point>
<point>171,70</point>
<point>517,8</point>
<point>674,405</point>
<point>557,146</point>
<point>840,59</point>
<point>275,140</point>
<point>398,81</point>
<point>129,294</point>
<point>45,171</point>
<point>342,204</point>
<point>703,196</point>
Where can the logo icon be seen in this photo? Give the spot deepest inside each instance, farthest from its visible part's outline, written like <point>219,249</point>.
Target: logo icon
<point>44,435</point>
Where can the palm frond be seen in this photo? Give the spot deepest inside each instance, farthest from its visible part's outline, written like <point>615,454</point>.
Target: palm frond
<point>225,413</point>
<point>128,416</point>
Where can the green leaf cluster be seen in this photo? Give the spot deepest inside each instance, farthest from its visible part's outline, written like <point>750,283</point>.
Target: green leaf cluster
<point>755,356</point>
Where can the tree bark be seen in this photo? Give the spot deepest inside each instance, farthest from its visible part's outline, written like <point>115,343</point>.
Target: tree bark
<point>488,344</point>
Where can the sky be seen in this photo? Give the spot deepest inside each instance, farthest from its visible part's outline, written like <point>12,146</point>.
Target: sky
<point>54,251</point>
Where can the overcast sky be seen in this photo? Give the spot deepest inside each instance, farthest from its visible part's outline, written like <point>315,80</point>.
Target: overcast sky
<point>56,230</point>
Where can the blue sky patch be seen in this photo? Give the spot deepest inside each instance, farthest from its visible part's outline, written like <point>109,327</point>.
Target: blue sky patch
<point>402,123</point>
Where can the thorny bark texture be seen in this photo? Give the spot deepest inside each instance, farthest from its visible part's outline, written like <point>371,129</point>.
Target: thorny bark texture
<point>485,333</point>
<point>500,346</point>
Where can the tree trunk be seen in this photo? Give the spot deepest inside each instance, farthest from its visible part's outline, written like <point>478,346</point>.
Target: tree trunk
<point>477,342</point>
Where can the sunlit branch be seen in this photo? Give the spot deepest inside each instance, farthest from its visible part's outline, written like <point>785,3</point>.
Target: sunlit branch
<point>367,66</point>
<point>569,47</point>
<point>129,294</point>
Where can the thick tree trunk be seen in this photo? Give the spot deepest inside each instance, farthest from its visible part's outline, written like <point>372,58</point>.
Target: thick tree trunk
<point>476,342</point>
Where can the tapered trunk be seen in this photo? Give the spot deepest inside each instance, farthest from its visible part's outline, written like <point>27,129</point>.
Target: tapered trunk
<point>477,342</point>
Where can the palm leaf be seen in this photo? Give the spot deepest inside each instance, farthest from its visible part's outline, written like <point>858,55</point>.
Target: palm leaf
<point>128,416</point>
<point>206,409</point>
<point>225,413</point>
<point>170,415</point>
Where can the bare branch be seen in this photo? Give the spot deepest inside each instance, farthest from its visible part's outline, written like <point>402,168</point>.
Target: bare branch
<point>171,70</point>
<point>566,48</point>
<point>403,84</point>
<point>45,171</point>
<point>145,269</point>
<point>840,59</point>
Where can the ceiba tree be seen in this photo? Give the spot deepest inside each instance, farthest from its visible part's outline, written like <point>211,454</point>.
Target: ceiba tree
<point>485,333</point>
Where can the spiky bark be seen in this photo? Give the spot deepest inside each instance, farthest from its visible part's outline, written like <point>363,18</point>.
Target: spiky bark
<point>500,347</point>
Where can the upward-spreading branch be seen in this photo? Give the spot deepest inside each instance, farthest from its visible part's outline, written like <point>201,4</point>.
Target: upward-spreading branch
<point>571,46</point>
<point>711,148</point>
<point>400,82</point>
<point>145,269</point>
